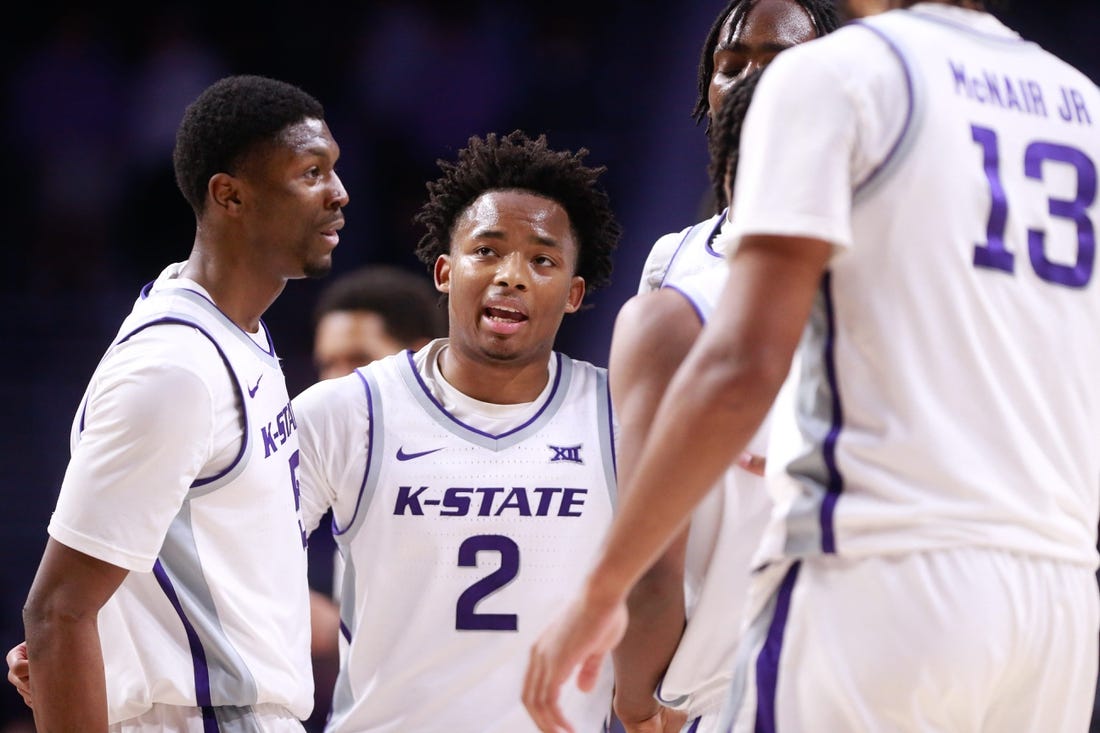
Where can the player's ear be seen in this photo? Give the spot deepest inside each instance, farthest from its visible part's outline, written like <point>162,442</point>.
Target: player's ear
<point>224,190</point>
<point>576,294</point>
<point>442,272</point>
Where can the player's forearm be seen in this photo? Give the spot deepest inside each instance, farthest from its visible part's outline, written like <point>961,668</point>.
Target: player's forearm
<point>707,417</point>
<point>63,649</point>
<point>656,606</point>
<point>67,679</point>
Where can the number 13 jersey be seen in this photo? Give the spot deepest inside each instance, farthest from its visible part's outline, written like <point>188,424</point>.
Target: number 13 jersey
<point>948,391</point>
<point>463,526</point>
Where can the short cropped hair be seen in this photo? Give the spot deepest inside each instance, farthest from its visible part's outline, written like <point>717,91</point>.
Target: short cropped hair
<point>516,162</point>
<point>407,302</point>
<point>230,120</point>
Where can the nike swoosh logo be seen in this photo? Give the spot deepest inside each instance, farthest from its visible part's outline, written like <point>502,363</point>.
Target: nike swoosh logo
<point>252,390</point>
<point>403,456</point>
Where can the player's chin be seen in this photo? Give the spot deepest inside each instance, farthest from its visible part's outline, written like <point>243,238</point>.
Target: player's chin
<point>318,267</point>
<point>501,348</point>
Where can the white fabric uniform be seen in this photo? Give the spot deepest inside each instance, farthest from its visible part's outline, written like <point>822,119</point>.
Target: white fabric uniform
<point>725,531</point>
<point>462,525</point>
<point>947,397</point>
<point>680,254</point>
<point>184,454</point>
<point>692,261</point>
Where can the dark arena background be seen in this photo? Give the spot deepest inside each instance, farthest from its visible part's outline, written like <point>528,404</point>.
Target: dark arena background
<point>91,96</point>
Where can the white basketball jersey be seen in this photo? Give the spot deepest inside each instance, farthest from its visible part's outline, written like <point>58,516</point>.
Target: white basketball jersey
<point>461,548</point>
<point>949,392</point>
<point>680,254</point>
<point>222,620</point>
<point>725,532</point>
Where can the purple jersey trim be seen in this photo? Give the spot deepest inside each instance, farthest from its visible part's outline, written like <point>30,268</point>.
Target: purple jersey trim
<point>611,435</point>
<point>233,378</point>
<point>270,350</point>
<point>691,230</point>
<point>908,112</point>
<point>209,720</point>
<point>767,663</point>
<point>828,449</point>
<point>198,655</point>
<point>714,233</point>
<point>336,530</point>
<point>691,301</point>
<point>676,252</point>
<point>439,405</point>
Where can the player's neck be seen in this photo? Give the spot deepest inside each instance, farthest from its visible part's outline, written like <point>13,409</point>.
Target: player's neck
<point>496,381</point>
<point>242,293</point>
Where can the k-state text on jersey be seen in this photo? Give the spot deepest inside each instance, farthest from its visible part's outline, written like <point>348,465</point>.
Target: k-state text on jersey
<point>276,432</point>
<point>491,501</point>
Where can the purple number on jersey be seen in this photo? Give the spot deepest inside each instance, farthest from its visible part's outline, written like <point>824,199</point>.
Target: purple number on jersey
<point>993,254</point>
<point>466,618</point>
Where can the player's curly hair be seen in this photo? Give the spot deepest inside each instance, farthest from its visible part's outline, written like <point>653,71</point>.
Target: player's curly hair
<point>518,162</point>
<point>822,13</point>
<point>228,121</point>
<point>724,140</point>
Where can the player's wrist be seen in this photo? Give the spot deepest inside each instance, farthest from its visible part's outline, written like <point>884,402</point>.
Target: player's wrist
<point>603,590</point>
<point>632,709</point>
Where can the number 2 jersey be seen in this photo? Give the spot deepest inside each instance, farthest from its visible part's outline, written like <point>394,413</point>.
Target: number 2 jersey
<point>463,526</point>
<point>948,392</point>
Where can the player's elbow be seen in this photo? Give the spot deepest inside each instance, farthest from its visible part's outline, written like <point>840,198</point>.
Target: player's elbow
<point>45,611</point>
<point>738,382</point>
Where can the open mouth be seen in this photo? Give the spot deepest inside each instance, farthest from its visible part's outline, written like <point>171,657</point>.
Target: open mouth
<point>503,320</point>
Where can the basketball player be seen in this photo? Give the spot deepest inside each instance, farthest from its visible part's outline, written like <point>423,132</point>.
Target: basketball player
<point>471,482</point>
<point>370,313</point>
<point>745,36</point>
<point>172,592</point>
<point>931,560</point>
<point>360,316</point>
<point>652,335</point>
<point>684,612</point>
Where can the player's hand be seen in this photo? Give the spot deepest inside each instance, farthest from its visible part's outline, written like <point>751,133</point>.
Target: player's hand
<point>582,635</point>
<point>752,463</point>
<point>19,671</point>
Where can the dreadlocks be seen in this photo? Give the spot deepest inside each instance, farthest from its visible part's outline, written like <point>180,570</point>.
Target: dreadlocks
<point>725,136</point>
<point>822,14</point>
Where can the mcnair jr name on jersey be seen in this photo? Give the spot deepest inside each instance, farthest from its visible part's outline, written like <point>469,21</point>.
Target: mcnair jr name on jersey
<point>1021,95</point>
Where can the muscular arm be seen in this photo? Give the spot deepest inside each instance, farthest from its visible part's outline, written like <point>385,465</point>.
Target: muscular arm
<point>148,432</point>
<point>67,685</point>
<point>723,392</point>
<point>717,400</point>
<point>653,333</point>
